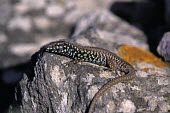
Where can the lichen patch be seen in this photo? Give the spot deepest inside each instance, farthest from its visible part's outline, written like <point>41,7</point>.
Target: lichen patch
<point>136,55</point>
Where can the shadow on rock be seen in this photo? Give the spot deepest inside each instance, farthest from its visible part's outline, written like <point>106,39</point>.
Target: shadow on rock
<point>9,79</point>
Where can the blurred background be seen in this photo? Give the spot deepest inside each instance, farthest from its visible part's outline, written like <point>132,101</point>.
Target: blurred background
<point>26,25</point>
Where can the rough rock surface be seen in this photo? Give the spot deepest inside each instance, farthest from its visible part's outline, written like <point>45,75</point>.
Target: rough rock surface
<point>164,46</point>
<point>60,86</point>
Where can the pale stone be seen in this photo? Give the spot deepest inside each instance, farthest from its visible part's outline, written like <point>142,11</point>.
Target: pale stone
<point>5,13</point>
<point>23,49</point>
<point>3,38</point>
<point>41,22</point>
<point>54,10</point>
<point>35,4</point>
<point>21,23</point>
<point>21,8</point>
<point>127,106</point>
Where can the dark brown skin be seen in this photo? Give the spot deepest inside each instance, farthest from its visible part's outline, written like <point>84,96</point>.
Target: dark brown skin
<point>97,56</point>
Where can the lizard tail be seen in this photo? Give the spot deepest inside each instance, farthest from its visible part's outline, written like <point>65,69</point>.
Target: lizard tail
<point>108,85</point>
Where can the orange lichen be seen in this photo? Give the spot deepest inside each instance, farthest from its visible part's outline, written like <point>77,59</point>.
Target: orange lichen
<point>156,71</point>
<point>133,54</point>
<point>147,69</point>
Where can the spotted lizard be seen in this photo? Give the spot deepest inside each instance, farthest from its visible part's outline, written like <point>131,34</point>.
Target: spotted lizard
<point>97,56</point>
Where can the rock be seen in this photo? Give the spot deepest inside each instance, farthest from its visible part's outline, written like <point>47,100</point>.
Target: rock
<point>21,8</point>
<point>42,22</point>
<point>25,6</point>
<point>57,87</point>
<point>77,9</point>
<point>164,46</point>
<point>109,29</point>
<point>42,40</point>
<point>54,10</point>
<point>3,38</point>
<point>23,49</point>
<point>73,16</point>
<point>6,12</point>
<point>21,23</point>
<point>127,106</point>
<point>34,4</point>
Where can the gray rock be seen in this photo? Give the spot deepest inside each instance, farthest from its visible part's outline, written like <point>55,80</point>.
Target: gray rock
<point>109,29</point>
<point>78,8</point>
<point>34,4</point>
<point>54,10</point>
<point>60,88</point>
<point>6,12</point>
<point>73,16</point>
<point>20,22</point>
<point>21,8</point>
<point>164,46</point>
<point>58,85</point>
<point>42,22</point>
<point>23,49</point>
<point>3,38</point>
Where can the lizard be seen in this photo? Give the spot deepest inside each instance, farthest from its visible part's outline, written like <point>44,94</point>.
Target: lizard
<point>99,56</point>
